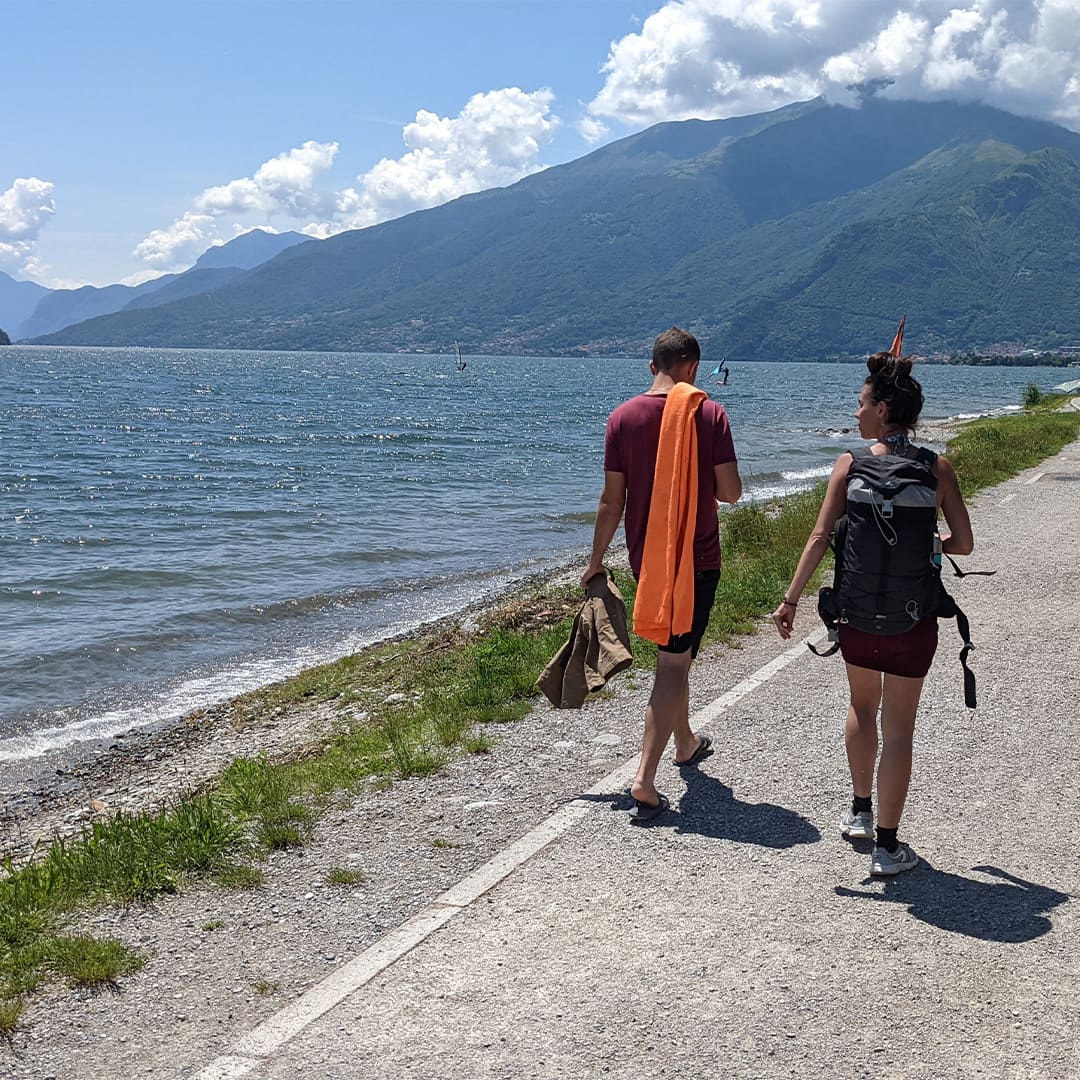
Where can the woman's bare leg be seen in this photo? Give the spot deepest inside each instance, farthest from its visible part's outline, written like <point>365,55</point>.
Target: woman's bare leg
<point>860,732</point>
<point>900,702</point>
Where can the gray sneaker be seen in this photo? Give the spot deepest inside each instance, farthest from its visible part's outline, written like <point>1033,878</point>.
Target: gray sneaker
<point>885,863</point>
<point>857,826</point>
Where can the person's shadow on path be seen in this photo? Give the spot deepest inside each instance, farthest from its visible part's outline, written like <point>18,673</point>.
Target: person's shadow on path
<point>709,808</point>
<point>1010,910</point>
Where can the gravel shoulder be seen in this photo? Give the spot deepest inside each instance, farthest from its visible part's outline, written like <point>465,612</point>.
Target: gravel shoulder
<point>739,934</point>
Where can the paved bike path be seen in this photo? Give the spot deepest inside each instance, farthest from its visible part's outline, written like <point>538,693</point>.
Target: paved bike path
<point>739,935</point>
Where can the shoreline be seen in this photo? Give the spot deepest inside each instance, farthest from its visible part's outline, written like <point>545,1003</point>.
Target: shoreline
<point>65,787</point>
<point>495,585</point>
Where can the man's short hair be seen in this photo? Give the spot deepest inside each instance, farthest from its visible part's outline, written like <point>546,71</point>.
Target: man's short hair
<point>675,346</point>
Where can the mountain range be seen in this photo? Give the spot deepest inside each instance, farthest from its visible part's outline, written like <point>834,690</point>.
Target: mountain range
<point>17,301</point>
<point>803,233</point>
<point>28,310</point>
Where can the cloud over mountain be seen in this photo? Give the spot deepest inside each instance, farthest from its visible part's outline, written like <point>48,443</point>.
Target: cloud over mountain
<point>496,139</point>
<point>720,58</point>
<point>284,185</point>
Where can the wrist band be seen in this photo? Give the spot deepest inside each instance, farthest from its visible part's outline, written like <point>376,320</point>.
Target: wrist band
<point>785,600</point>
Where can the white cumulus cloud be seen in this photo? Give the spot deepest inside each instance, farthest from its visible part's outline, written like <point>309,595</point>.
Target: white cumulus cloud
<point>496,139</point>
<point>185,239</point>
<point>284,185</point>
<point>24,209</point>
<point>719,58</point>
<point>592,130</point>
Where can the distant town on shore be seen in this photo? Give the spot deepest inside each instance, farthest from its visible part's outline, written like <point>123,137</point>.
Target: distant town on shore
<point>1008,354</point>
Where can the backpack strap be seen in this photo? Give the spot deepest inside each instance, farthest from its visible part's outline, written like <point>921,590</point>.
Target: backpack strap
<point>834,638</point>
<point>826,607</point>
<point>957,572</point>
<point>858,452</point>
<point>949,609</point>
<point>969,675</point>
<point>926,457</point>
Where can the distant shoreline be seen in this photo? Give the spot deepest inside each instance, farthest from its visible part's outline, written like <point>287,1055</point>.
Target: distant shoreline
<point>1054,360</point>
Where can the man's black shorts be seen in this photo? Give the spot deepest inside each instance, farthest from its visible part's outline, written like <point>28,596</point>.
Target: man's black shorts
<point>705,582</point>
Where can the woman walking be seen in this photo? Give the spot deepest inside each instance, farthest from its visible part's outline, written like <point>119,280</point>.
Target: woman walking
<point>884,670</point>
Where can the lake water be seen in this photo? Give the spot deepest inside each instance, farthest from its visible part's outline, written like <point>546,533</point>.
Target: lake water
<point>179,526</point>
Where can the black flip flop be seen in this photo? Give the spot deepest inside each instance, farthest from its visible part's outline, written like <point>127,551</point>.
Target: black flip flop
<point>700,754</point>
<point>644,811</point>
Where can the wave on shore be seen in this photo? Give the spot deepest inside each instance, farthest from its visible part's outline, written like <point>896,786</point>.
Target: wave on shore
<point>412,606</point>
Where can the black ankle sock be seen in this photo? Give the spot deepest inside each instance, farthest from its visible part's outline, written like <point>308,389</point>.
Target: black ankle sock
<point>886,838</point>
<point>861,805</point>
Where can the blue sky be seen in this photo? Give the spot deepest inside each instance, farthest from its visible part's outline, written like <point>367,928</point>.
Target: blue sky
<point>135,134</point>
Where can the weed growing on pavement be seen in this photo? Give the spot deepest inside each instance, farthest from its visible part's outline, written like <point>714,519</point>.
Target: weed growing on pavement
<point>10,1011</point>
<point>93,962</point>
<point>265,986</point>
<point>240,876</point>
<point>339,875</point>
<point>212,925</point>
<point>478,742</point>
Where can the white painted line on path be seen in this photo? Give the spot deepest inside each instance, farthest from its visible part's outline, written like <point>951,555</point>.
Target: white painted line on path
<point>1008,498</point>
<point>712,711</point>
<point>509,859</point>
<point>275,1031</point>
<point>284,1025</point>
<point>1036,478</point>
<point>228,1067</point>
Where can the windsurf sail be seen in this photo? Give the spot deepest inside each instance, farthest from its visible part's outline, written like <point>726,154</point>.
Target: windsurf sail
<point>896,348</point>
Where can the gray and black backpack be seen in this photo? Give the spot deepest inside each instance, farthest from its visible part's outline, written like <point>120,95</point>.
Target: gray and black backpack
<point>887,574</point>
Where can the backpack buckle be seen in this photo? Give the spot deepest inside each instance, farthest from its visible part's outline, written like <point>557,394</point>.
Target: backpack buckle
<point>886,509</point>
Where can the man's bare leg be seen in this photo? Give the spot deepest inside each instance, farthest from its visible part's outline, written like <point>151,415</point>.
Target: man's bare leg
<point>686,742</point>
<point>669,699</point>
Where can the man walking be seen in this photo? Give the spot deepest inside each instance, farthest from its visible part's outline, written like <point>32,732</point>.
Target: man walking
<point>632,447</point>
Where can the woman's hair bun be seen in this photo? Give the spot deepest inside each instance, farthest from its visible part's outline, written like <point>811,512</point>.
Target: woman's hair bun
<point>889,366</point>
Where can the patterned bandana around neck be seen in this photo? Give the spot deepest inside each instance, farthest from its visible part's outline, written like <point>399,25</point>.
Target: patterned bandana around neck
<point>898,443</point>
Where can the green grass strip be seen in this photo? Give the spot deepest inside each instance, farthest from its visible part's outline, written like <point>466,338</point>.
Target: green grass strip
<point>991,450</point>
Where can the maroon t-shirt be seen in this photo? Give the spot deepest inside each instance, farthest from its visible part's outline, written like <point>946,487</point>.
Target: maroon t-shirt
<point>630,447</point>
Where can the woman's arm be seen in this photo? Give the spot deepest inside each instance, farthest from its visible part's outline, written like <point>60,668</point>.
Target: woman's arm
<point>960,540</point>
<point>832,508</point>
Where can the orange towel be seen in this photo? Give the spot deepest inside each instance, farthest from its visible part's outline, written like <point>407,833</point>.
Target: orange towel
<point>664,605</point>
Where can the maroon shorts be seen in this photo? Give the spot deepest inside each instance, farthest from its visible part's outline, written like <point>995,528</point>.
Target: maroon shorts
<point>909,654</point>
